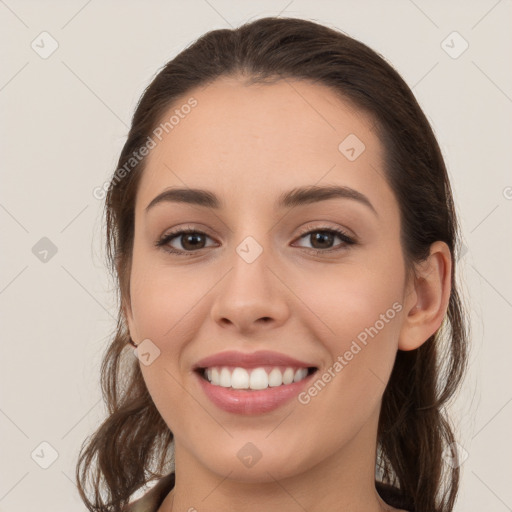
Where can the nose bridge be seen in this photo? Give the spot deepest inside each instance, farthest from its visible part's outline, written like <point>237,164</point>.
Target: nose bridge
<point>252,243</point>
<point>250,277</point>
<point>250,291</point>
<point>254,254</point>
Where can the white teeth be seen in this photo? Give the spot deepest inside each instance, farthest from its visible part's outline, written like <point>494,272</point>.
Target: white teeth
<point>275,378</point>
<point>259,379</point>
<point>300,374</point>
<point>288,376</point>
<point>239,379</point>
<point>255,379</point>
<point>225,378</point>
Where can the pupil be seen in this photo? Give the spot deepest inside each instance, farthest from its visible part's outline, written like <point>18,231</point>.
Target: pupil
<point>323,235</point>
<point>195,237</point>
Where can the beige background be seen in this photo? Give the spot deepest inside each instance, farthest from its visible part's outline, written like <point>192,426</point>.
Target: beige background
<point>64,120</point>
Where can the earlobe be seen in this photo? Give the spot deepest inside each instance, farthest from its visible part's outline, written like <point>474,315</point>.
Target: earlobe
<point>429,298</point>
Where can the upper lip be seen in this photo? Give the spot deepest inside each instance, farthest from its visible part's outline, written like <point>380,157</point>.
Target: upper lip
<point>250,360</point>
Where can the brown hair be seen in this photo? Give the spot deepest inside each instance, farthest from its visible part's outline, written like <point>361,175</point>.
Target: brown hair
<point>132,445</point>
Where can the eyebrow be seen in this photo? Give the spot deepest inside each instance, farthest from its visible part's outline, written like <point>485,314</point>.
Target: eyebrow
<point>295,197</point>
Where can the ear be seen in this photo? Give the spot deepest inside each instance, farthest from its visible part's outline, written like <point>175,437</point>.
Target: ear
<point>427,298</point>
<point>128,315</point>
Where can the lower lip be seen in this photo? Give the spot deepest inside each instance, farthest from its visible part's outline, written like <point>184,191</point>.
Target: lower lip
<point>252,402</point>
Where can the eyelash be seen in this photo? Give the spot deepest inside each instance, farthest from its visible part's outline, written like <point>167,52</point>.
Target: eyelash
<point>347,240</point>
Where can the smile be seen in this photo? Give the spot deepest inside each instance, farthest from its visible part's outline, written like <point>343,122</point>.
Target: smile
<point>254,378</point>
<point>258,391</point>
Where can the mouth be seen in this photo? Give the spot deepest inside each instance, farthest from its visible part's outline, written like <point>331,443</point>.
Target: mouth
<point>254,379</point>
<point>255,390</point>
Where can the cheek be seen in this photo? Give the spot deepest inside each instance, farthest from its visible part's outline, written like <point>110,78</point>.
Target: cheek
<point>163,306</point>
<point>160,301</point>
<point>361,346</point>
<point>347,300</point>
<point>357,319</point>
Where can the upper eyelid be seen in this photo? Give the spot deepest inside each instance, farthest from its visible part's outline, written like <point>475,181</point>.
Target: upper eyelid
<point>326,227</point>
<point>303,231</point>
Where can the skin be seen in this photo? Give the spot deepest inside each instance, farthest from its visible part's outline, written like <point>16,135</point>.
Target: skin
<point>247,144</point>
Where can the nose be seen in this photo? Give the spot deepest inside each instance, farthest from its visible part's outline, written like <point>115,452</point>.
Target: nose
<point>251,297</point>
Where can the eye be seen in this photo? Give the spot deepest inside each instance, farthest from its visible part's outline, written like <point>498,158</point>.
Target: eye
<point>322,239</point>
<point>191,240</point>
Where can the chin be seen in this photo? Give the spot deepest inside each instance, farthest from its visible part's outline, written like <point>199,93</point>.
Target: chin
<point>246,463</point>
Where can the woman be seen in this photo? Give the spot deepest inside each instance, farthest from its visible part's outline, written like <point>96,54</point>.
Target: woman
<point>283,231</point>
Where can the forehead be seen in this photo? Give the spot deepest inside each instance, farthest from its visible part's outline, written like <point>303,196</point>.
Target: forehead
<point>252,142</point>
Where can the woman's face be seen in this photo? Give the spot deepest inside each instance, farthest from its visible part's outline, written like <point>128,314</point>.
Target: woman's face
<point>247,281</point>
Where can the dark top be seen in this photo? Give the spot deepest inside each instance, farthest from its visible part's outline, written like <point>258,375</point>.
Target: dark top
<point>152,500</point>
<point>392,496</point>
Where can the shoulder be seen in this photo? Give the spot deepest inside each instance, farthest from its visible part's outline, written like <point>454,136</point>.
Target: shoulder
<point>154,497</point>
